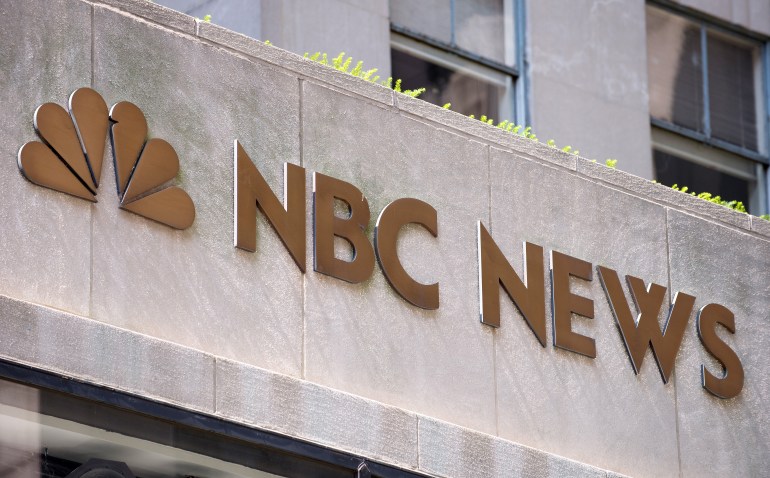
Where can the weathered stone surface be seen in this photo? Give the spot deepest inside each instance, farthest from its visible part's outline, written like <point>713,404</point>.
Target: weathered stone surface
<point>319,414</point>
<point>658,192</point>
<point>364,338</point>
<point>242,16</point>
<point>155,13</point>
<point>588,83</point>
<point>294,62</point>
<point>474,127</point>
<point>718,265</point>
<point>593,47</point>
<point>448,450</point>
<point>193,287</point>
<point>760,226</point>
<point>597,410</point>
<point>98,353</point>
<point>597,127</point>
<point>43,59</point>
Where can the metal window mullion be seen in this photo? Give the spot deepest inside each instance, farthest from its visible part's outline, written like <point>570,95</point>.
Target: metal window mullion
<point>763,178</point>
<point>452,36</point>
<point>705,77</point>
<point>522,80</point>
<point>760,186</point>
<point>766,83</point>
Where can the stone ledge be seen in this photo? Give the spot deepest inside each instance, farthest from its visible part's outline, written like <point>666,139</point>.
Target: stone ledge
<point>444,451</point>
<point>319,414</point>
<point>156,13</point>
<point>760,226</point>
<point>663,194</point>
<point>293,62</point>
<point>474,127</point>
<point>75,346</point>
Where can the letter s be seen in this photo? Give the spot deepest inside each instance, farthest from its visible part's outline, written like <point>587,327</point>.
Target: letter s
<point>731,383</point>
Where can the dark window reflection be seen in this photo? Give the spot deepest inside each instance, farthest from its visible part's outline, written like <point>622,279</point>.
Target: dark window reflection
<point>731,92</point>
<point>670,170</point>
<point>468,94</point>
<point>674,64</point>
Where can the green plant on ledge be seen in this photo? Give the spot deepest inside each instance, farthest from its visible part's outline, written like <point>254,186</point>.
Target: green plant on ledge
<point>734,205</point>
<point>342,63</point>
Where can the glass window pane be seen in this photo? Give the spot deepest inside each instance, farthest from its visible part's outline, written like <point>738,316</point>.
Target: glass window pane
<point>732,94</point>
<point>670,170</point>
<point>674,65</point>
<point>429,17</point>
<point>468,94</point>
<point>480,28</point>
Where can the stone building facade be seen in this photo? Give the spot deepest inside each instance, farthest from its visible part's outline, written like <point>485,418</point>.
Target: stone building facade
<point>176,353</point>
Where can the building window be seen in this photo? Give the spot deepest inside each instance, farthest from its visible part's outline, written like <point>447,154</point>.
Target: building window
<point>464,52</point>
<point>706,85</point>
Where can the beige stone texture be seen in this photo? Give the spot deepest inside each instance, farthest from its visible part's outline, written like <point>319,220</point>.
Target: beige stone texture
<point>44,58</point>
<point>193,287</point>
<point>366,339</point>
<point>720,437</point>
<point>597,410</point>
<point>589,79</point>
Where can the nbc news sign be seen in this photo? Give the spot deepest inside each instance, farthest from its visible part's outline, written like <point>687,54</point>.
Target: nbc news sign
<point>68,158</point>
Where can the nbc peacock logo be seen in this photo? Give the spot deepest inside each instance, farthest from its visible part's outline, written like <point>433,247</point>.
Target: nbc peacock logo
<point>69,158</point>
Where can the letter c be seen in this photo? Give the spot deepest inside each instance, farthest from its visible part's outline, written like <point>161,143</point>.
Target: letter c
<point>395,215</point>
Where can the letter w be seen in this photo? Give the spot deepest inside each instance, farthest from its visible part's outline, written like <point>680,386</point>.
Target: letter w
<point>645,331</point>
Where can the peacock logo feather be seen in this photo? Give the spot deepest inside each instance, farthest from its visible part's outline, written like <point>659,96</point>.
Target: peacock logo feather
<point>69,158</point>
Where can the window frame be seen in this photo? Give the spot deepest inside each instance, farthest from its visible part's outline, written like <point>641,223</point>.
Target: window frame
<point>514,102</point>
<point>703,148</point>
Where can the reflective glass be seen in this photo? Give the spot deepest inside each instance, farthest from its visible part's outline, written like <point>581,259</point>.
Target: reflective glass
<point>732,97</point>
<point>480,28</point>
<point>674,65</point>
<point>432,18</point>
<point>670,170</point>
<point>468,94</point>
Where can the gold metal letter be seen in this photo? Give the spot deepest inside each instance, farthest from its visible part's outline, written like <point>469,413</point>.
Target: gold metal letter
<point>325,190</point>
<point>731,383</point>
<point>644,331</point>
<point>565,303</point>
<point>251,190</point>
<point>496,271</point>
<point>396,214</point>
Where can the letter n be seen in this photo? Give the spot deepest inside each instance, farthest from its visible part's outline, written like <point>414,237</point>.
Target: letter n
<point>496,271</point>
<point>252,191</point>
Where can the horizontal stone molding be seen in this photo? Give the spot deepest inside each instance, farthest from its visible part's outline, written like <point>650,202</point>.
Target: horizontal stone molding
<point>76,347</point>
